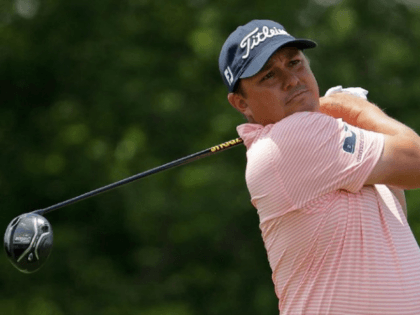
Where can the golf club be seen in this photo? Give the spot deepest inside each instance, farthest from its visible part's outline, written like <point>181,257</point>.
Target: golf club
<point>28,238</point>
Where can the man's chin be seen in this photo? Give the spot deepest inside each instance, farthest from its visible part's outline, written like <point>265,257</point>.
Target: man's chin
<point>304,105</point>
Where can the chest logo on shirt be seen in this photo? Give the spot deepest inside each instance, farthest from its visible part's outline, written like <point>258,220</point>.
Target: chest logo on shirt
<point>350,140</point>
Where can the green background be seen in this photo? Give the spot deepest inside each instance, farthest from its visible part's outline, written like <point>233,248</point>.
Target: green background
<point>95,91</point>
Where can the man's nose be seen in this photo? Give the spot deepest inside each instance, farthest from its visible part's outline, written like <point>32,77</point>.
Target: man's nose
<point>290,80</point>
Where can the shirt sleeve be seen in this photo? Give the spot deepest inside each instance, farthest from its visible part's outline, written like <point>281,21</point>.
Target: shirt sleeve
<point>315,154</point>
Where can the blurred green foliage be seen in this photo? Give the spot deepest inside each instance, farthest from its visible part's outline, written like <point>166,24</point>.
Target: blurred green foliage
<point>95,91</point>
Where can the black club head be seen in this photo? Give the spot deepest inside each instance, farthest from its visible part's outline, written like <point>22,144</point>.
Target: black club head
<point>28,242</point>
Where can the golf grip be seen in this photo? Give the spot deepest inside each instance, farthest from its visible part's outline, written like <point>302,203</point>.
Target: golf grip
<point>181,161</point>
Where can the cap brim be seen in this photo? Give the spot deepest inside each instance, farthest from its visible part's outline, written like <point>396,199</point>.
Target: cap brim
<point>259,61</point>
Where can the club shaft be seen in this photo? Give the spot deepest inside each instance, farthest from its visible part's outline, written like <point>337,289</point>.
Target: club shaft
<point>187,159</point>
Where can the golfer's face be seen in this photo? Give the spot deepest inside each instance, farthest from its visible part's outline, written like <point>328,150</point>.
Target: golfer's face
<point>284,86</point>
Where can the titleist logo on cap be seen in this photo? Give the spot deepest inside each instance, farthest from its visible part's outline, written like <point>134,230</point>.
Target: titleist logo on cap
<point>254,38</point>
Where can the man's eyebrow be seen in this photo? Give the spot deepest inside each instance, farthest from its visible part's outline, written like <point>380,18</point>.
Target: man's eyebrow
<point>269,63</point>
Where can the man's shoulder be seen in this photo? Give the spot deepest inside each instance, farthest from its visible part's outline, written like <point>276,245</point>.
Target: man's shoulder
<point>294,130</point>
<point>304,126</point>
<point>302,119</point>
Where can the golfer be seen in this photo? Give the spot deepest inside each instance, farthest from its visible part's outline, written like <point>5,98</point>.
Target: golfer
<point>326,176</point>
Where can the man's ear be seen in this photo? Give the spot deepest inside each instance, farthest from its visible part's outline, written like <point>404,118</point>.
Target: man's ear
<point>238,102</point>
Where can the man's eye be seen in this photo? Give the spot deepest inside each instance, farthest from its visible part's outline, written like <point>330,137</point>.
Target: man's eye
<point>294,62</point>
<point>268,76</point>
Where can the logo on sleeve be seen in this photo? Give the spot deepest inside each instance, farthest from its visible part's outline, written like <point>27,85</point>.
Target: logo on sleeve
<point>350,140</point>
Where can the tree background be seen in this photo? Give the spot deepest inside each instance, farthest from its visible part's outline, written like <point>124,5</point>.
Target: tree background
<point>95,91</point>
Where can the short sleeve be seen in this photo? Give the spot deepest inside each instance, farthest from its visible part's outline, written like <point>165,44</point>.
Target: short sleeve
<point>315,154</point>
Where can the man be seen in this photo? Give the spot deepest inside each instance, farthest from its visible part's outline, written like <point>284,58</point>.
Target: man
<point>326,176</point>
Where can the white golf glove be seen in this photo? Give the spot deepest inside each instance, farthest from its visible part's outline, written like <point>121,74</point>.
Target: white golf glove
<point>356,91</point>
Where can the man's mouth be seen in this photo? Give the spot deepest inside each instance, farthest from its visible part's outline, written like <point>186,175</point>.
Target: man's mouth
<point>296,93</point>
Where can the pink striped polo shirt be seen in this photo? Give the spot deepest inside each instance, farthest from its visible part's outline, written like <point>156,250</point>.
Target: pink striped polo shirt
<point>334,245</point>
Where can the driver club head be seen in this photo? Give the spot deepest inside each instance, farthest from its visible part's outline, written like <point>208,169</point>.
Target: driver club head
<point>28,242</point>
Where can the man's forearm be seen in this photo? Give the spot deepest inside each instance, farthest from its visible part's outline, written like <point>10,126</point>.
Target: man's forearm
<point>361,113</point>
